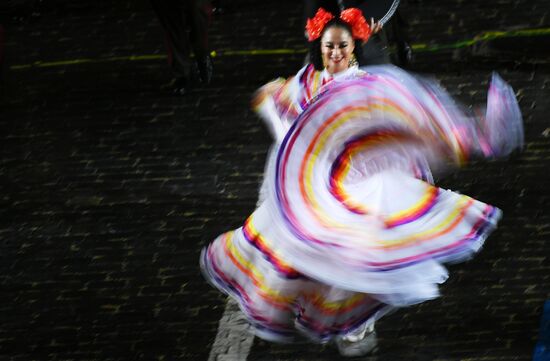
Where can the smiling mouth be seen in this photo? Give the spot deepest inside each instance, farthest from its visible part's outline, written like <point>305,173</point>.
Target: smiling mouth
<point>337,60</point>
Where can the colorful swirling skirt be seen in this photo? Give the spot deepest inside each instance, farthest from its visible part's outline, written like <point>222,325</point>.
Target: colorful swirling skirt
<point>352,225</point>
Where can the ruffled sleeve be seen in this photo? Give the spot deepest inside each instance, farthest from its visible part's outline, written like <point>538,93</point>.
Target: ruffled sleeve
<point>281,101</point>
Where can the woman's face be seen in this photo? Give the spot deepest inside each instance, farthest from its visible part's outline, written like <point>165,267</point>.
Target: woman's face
<point>337,47</point>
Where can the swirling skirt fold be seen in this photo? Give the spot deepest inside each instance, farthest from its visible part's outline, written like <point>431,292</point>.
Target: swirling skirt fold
<point>352,225</point>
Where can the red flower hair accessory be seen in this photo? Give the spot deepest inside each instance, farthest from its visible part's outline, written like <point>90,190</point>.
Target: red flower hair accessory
<point>359,26</point>
<point>315,25</point>
<point>352,16</point>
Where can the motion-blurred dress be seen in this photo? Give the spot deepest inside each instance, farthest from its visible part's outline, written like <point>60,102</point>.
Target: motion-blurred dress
<point>350,225</point>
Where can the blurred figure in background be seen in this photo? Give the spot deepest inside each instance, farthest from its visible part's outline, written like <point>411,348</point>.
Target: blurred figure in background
<point>397,32</point>
<point>185,23</point>
<point>14,12</point>
<point>1,53</point>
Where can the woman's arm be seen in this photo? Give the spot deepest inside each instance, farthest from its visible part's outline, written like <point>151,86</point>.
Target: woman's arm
<point>279,102</point>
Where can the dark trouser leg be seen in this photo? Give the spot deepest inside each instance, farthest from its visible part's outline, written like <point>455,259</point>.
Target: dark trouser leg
<point>1,52</point>
<point>171,15</point>
<point>198,13</point>
<point>398,34</point>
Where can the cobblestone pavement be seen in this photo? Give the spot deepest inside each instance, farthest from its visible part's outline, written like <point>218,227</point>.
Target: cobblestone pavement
<point>110,186</point>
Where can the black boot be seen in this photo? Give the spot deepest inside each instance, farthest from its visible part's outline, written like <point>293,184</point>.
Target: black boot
<point>181,86</point>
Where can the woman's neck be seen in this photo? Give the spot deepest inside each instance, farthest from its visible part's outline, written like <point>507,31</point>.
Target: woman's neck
<point>336,73</point>
<point>327,72</point>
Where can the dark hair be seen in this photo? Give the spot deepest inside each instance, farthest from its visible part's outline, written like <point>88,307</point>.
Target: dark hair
<point>315,55</point>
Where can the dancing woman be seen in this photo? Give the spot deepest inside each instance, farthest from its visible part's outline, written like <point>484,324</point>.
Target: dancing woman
<point>350,225</point>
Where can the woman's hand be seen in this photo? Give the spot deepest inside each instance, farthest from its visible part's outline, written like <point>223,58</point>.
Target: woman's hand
<point>273,86</point>
<point>266,91</point>
<point>375,26</point>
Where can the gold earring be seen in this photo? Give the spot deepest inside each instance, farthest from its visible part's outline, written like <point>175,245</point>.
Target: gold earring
<point>352,61</point>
